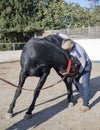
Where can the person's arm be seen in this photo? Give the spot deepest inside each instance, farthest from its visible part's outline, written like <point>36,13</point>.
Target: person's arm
<point>80,54</point>
<point>83,62</point>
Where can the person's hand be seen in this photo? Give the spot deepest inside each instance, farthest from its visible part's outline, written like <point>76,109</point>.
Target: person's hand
<point>77,75</point>
<point>66,74</point>
<point>63,73</point>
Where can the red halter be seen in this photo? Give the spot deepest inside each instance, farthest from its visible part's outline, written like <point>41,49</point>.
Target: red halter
<point>69,65</point>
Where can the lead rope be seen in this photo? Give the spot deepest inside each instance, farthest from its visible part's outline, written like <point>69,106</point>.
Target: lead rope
<point>30,89</point>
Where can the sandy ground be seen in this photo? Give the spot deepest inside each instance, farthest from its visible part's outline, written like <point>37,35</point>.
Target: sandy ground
<point>51,111</point>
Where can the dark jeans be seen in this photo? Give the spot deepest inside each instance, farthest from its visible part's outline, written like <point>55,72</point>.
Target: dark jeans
<point>84,88</point>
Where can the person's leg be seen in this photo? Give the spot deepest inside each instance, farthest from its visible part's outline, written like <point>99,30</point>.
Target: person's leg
<point>86,85</point>
<point>78,86</point>
<point>86,88</point>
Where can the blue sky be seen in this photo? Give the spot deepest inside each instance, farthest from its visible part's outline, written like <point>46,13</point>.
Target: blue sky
<point>83,3</point>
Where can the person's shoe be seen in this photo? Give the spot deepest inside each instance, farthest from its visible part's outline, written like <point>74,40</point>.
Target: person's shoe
<point>80,100</point>
<point>84,109</point>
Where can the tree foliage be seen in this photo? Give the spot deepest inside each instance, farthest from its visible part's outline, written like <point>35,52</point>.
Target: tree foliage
<point>20,19</point>
<point>95,17</point>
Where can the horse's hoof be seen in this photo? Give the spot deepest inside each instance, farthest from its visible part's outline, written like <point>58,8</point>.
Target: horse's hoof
<point>9,115</point>
<point>27,116</point>
<point>70,104</point>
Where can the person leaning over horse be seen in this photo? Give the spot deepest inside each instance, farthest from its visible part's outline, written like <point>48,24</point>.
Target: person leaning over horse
<point>85,70</point>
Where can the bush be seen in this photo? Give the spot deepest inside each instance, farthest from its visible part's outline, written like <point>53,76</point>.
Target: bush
<point>11,46</point>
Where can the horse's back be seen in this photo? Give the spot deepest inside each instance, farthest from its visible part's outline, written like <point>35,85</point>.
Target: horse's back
<point>42,51</point>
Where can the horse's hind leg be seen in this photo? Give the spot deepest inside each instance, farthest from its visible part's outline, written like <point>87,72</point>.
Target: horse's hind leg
<point>36,94</point>
<point>22,78</point>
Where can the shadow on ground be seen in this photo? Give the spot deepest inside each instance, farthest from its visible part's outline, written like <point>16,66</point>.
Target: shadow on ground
<point>95,87</point>
<point>44,115</point>
<point>40,117</point>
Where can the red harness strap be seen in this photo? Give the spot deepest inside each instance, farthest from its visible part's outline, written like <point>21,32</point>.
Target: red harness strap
<point>69,65</point>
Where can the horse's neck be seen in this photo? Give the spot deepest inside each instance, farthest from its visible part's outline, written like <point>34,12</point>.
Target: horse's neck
<point>57,39</point>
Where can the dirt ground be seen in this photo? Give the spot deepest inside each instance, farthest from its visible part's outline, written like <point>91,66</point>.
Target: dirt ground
<point>51,111</point>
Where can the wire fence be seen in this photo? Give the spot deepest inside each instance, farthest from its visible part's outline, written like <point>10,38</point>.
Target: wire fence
<point>78,33</point>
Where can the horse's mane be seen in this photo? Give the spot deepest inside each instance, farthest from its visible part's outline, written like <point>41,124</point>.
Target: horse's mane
<point>54,39</point>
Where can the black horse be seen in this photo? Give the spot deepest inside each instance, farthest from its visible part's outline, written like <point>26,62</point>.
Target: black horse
<point>37,59</point>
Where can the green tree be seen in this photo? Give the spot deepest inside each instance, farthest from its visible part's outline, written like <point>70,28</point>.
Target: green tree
<point>20,19</point>
<point>95,17</point>
<point>29,16</point>
<point>76,16</point>
<point>54,15</point>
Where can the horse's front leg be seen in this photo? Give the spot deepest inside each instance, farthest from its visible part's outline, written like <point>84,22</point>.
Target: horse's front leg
<point>36,94</point>
<point>22,78</point>
<point>68,82</point>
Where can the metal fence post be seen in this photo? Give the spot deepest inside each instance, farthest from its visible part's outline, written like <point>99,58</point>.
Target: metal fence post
<point>89,31</point>
<point>13,46</point>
